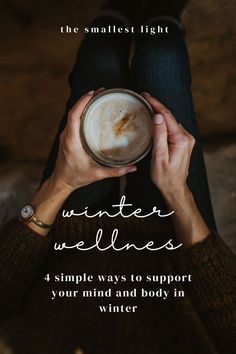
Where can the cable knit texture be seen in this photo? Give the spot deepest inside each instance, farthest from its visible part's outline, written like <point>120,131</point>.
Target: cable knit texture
<point>202,322</point>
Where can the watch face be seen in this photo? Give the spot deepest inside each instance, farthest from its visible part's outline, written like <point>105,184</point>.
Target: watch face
<point>27,212</point>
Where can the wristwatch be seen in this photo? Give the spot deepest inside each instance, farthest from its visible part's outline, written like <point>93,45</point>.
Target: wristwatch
<point>27,214</point>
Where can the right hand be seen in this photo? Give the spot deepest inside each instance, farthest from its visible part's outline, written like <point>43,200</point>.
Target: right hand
<point>172,149</point>
<point>74,167</point>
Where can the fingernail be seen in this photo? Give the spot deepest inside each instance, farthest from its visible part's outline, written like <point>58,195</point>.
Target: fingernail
<point>158,119</point>
<point>132,169</point>
<point>101,89</point>
<point>145,94</point>
<point>90,92</point>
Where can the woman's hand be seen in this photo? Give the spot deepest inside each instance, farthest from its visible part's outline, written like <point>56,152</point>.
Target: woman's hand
<point>172,148</point>
<point>74,167</point>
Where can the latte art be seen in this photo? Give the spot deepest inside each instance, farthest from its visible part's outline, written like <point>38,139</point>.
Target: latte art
<point>116,128</point>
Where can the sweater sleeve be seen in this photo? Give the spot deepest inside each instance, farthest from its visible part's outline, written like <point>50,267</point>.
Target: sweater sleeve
<point>22,252</point>
<point>213,289</point>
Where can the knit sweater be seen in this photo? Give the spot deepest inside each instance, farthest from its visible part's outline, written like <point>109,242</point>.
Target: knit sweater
<point>44,312</point>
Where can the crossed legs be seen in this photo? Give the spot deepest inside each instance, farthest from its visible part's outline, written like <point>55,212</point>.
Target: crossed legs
<point>159,66</point>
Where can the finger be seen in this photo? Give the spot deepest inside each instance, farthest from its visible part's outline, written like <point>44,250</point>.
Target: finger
<point>191,139</point>
<point>173,128</point>
<point>184,130</point>
<point>156,105</point>
<point>73,119</point>
<point>76,111</point>
<point>99,90</point>
<point>187,133</point>
<point>106,172</point>
<point>160,137</point>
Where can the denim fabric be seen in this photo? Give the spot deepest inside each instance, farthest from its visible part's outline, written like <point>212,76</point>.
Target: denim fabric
<point>160,66</point>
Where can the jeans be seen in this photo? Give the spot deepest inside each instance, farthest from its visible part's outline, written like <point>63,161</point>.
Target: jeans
<point>159,66</point>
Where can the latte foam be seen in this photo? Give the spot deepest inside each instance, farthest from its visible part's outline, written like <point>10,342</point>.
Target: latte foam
<point>117,127</point>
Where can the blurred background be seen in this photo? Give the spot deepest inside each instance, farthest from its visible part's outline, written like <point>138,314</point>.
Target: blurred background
<point>36,59</point>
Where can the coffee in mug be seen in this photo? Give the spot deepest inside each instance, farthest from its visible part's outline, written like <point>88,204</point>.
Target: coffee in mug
<point>116,128</point>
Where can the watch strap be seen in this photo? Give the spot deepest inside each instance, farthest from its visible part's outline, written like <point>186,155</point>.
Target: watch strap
<point>39,223</point>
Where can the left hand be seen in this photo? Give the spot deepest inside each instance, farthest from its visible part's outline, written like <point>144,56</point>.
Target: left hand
<point>74,167</point>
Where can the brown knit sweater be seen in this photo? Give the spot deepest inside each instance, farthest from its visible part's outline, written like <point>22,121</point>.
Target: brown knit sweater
<point>201,322</point>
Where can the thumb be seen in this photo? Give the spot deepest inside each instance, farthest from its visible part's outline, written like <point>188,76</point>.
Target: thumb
<point>160,141</point>
<point>76,111</point>
<point>74,115</point>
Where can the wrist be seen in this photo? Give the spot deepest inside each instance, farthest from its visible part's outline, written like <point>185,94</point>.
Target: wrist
<point>56,184</point>
<point>51,189</point>
<point>189,225</point>
<point>177,197</point>
<point>47,202</point>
